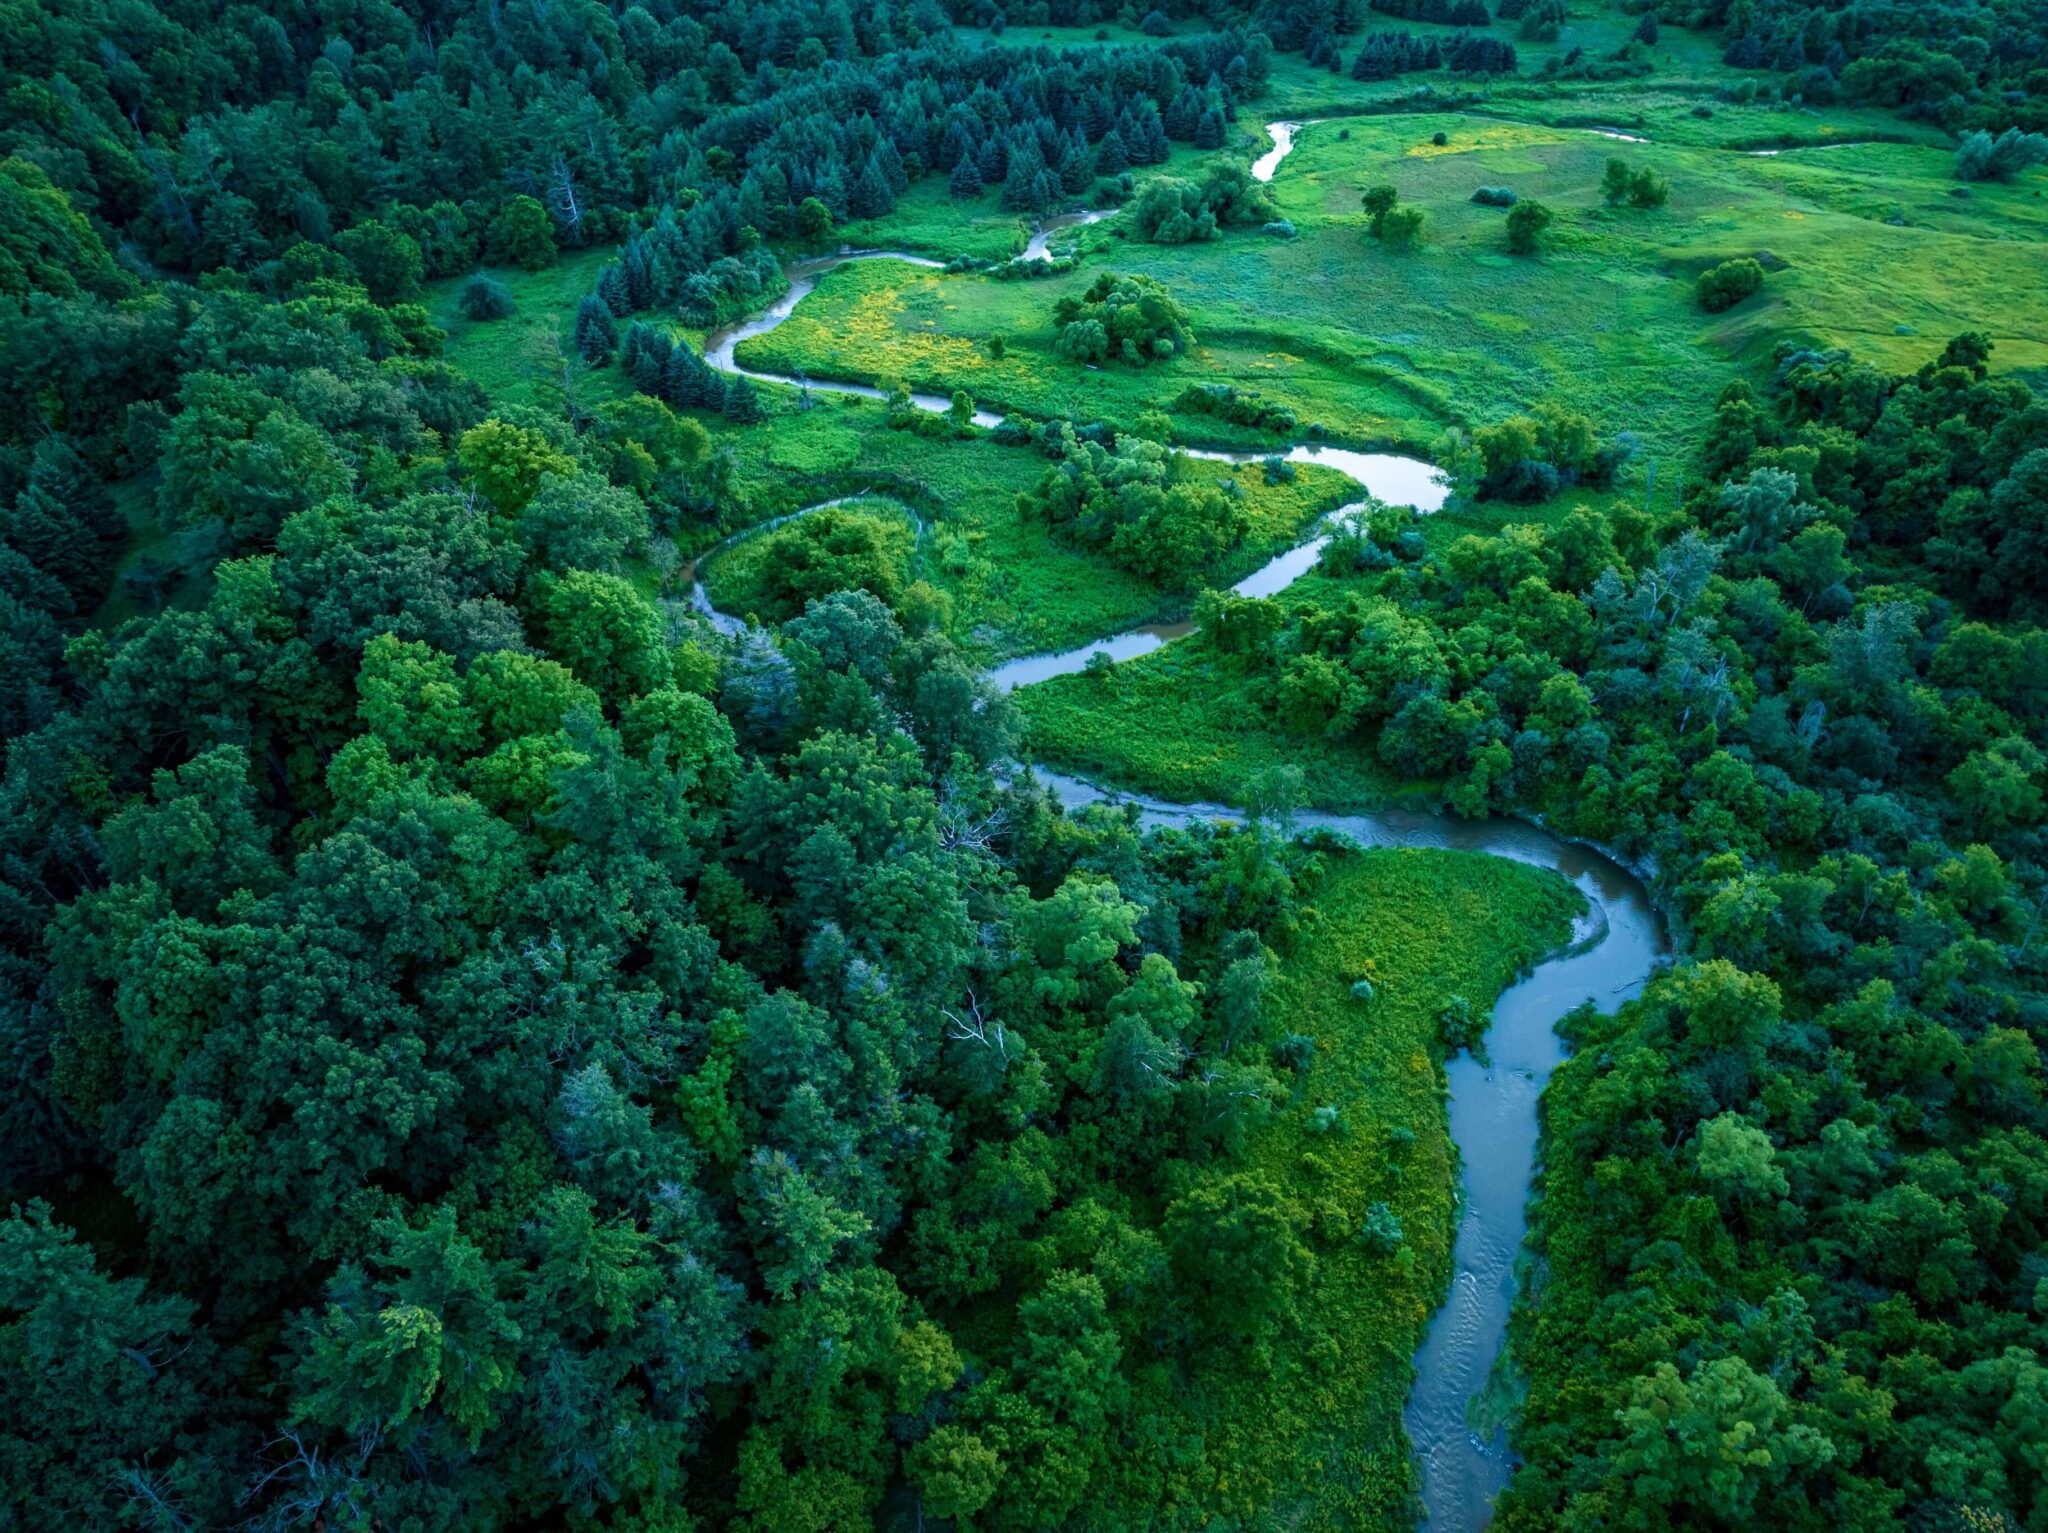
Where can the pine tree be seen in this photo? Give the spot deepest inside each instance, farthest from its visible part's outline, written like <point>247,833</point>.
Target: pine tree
<point>870,197</point>
<point>966,178</point>
<point>596,337</point>
<point>742,404</point>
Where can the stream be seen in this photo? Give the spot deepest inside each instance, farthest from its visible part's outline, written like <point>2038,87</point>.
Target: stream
<point>1493,1107</point>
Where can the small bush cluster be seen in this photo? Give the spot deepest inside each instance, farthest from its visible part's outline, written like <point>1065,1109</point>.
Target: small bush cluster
<point>1128,319</point>
<point>1240,407</point>
<point>1722,287</point>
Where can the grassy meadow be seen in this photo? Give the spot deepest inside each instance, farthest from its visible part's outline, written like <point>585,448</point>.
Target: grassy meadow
<point>1312,1430</point>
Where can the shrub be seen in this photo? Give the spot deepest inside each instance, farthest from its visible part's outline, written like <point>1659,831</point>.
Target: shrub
<point>1526,224</point>
<point>1140,506</point>
<point>1494,197</point>
<point>1280,229</point>
<point>1128,319</point>
<point>836,549</point>
<point>1380,1231</point>
<point>1980,157</point>
<point>1402,227</point>
<point>1173,211</point>
<point>1378,202</point>
<point>486,298</point>
<point>1722,287</point>
<point>1238,406</point>
<point>1647,189</point>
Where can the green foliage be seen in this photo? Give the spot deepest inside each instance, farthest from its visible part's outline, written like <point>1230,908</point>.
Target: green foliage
<point>1526,223</point>
<point>47,245</point>
<point>839,548</point>
<point>508,462</point>
<point>1379,202</point>
<point>521,235</point>
<point>1132,320</point>
<point>485,298</point>
<point>1141,505</point>
<point>1173,211</point>
<point>1642,188</point>
<point>1981,157</point>
<point>1722,287</point>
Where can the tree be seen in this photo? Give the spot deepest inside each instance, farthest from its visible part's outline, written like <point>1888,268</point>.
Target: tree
<point>1237,1243</point>
<point>107,1391</point>
<point>1722,1441</point>
<point>814,221</point>
<point>956,1472</point>
<point>595,337</point>
<point>507,462</point>
<point>486,298</point>
<point>1615,181</point>
<point>1128,319</point>
<point>578,521</point>
<point>388,261</point>
<point>46,245</point>
<point>606,632</point>
<point>522,235</point>
<point>1378,202</point>
<point>1722,287</point>
<point>1526,222</point>
<point>1647,189</point>
<point>424,1327</point>
<point>1402,228</point>
<point>1980,157</point>
<point>742,404</point>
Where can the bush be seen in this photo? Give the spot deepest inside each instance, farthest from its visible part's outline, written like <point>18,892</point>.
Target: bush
<point>1133,320</point>
<point>1722,287</point>
<point>1647,189</point>
<point>486,298</point>
<point>1140,506</point>
<point>1279,229</point>
<point>1980,157</point>
<point>1173,211</point>
<point>1378,202</point>
<point>1402,227</point>
<point>1526,224</point>
<point>1380,1231</point>
<point>835,549</point>
<point>1238,406</point>
<point>1494,197</point>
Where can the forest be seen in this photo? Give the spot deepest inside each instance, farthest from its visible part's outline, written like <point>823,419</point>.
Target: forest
<point>798,766</point>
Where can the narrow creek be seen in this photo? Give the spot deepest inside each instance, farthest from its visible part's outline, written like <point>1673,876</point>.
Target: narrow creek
<point>1493,1107</point>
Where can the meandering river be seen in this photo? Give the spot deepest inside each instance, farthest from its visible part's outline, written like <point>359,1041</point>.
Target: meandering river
<point>1493,1108</point>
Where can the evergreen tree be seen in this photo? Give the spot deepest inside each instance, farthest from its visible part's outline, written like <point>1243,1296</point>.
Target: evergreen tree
<point>742,404</point>
<point>595,336</point>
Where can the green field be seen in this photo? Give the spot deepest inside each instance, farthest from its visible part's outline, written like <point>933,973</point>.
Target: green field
<point>1867,243</point>
<point>1309,1435</point>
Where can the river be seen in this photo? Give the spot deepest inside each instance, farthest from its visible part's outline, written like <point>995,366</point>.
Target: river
<point>1493,1108</point>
